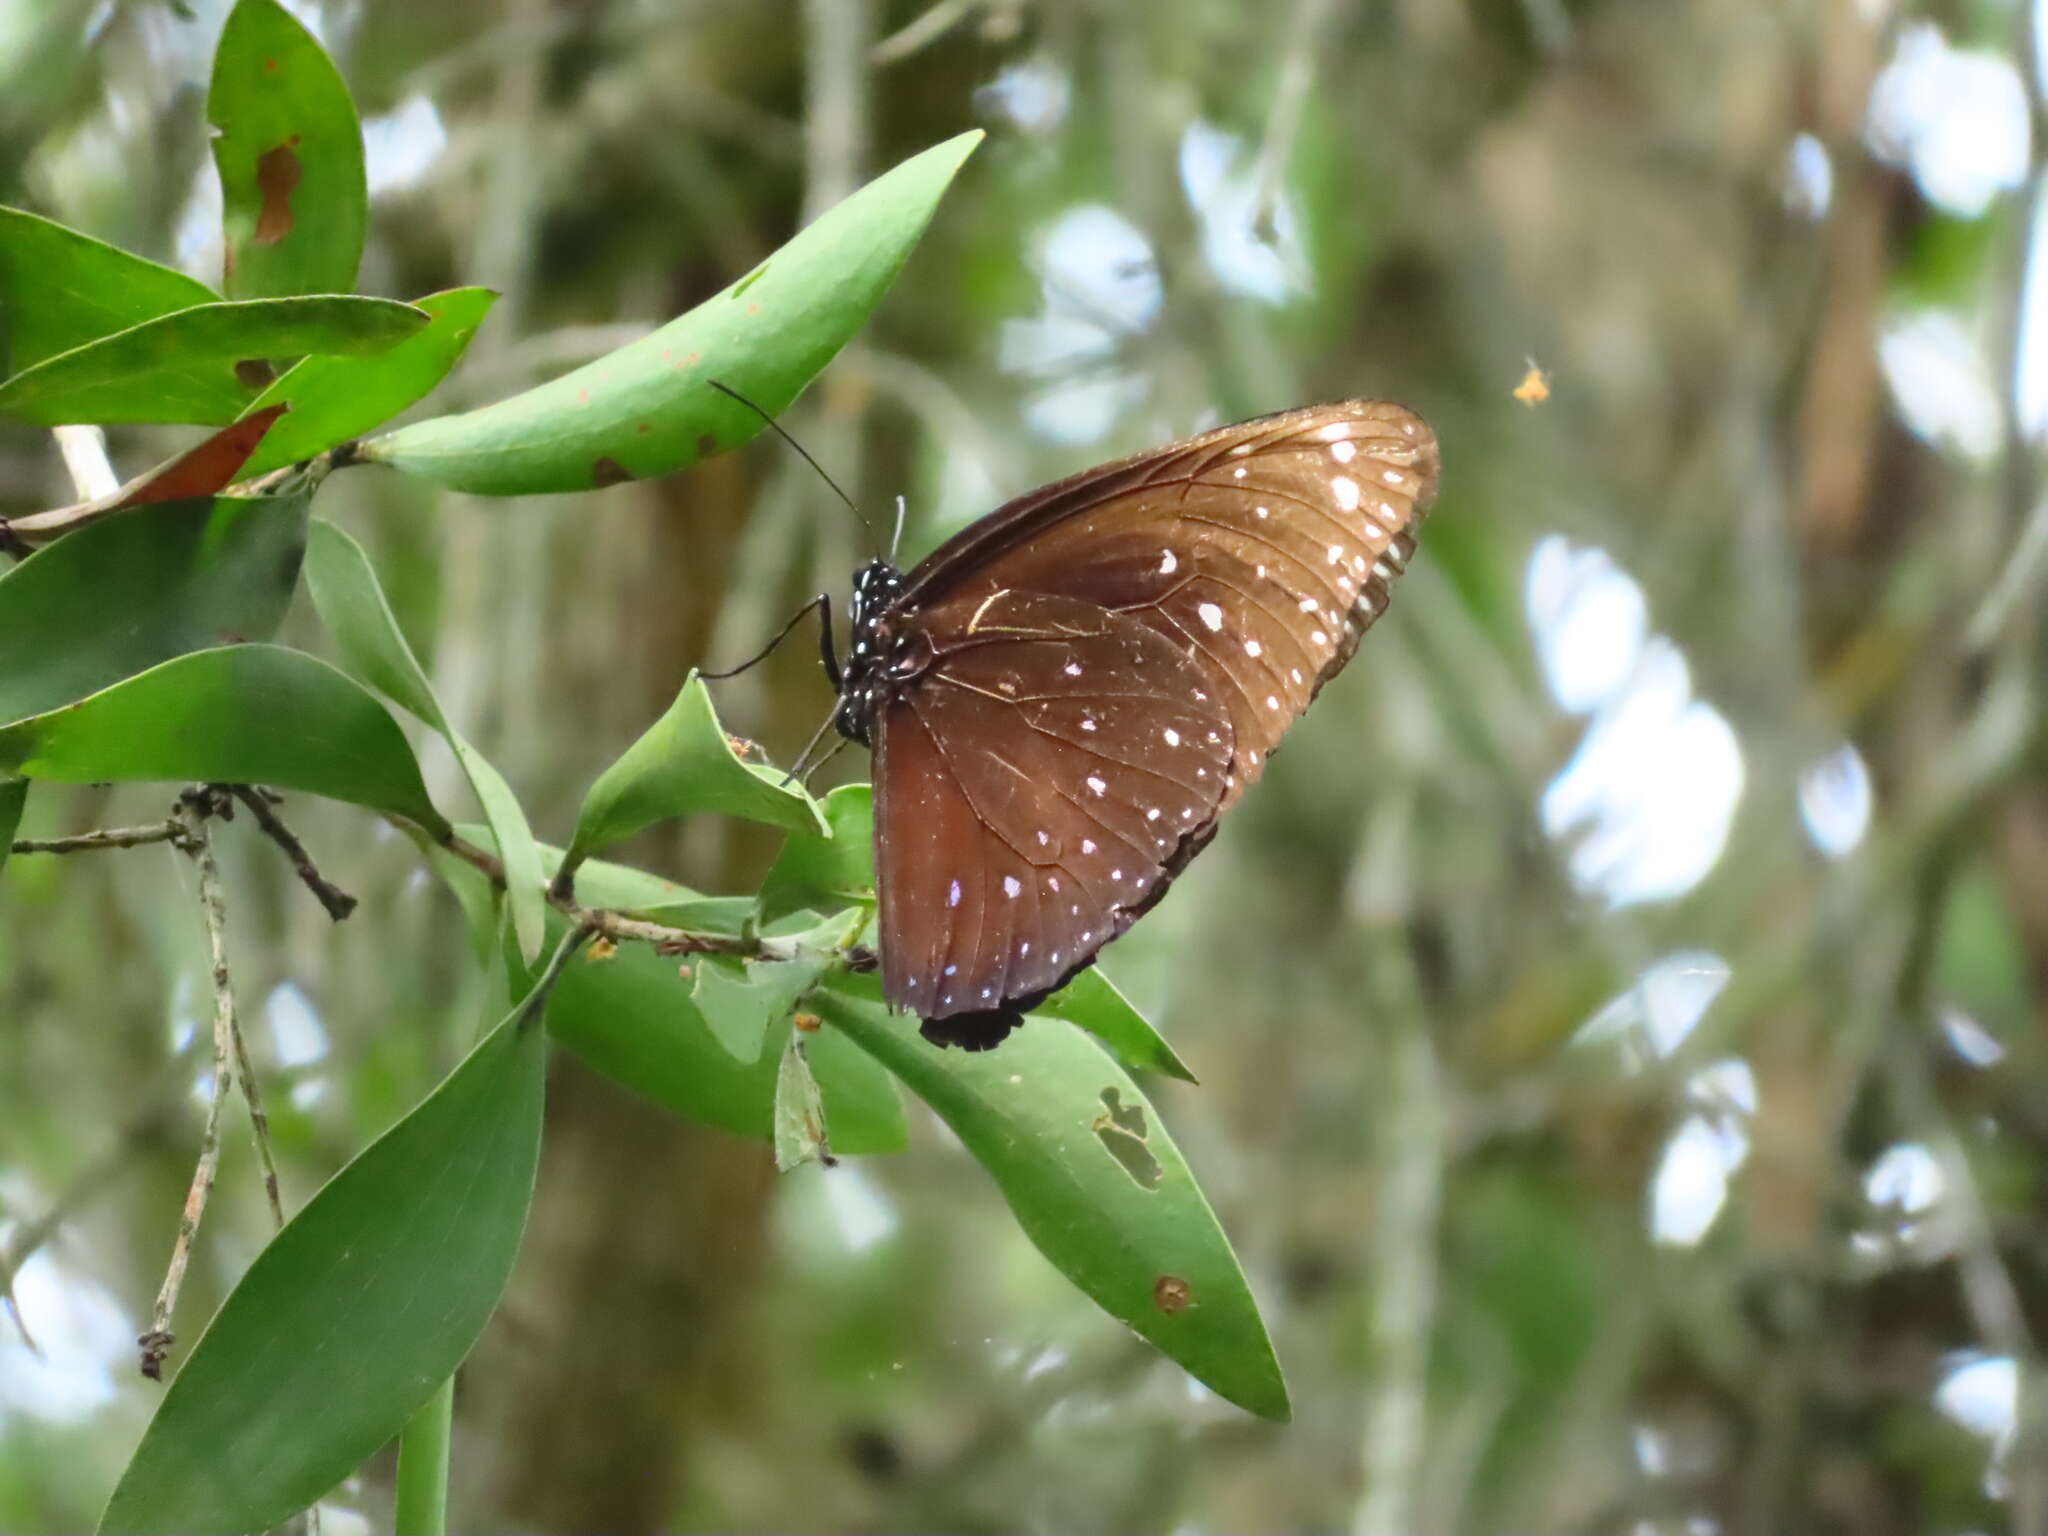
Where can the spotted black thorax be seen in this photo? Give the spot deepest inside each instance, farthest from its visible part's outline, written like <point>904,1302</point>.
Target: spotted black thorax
<point>875,651</point>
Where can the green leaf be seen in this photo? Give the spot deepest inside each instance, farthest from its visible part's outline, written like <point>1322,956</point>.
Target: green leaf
<point>353,606</point>
<point>60,289</point>
<point>203,364</point>
<point>1095,1181</point>
<point>685,763</point>
<point>333,399</point>
<point>1092,1001</point>
<point>290,155</point>
<point>355,1312</point>
<point>648,408</point>
<point>256,714</point>
<point>799,1111</point>
<point>13,796</point>
<point>742,1000</point>
<point>140,587</point>
<point>826,874</point>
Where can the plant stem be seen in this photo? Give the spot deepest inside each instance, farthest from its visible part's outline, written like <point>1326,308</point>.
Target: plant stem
<point>423,1466</point>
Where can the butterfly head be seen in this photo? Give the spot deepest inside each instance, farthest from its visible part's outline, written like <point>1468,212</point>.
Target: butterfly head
<point>881,652</point>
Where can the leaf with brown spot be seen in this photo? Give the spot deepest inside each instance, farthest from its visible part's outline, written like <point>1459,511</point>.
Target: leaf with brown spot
<point>278,173</point>
<point>294,200</point>
<point>1172,1294</point>
<point>609,472</point>
<point>198,471</point>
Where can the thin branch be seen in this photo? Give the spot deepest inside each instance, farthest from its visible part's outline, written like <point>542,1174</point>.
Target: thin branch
<point>622,928</point>
<point>922,31</point>
<point>157,1342</point>
<point>94,842</point>
<point>337,901</point>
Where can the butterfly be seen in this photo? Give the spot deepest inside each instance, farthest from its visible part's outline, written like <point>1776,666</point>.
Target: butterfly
<point>1064,698</point>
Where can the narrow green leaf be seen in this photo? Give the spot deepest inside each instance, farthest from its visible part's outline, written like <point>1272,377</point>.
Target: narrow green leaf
<point>290,155</point>
<point>741,1000</point>
<point>685,763</point>
<point>1092,1001</point>
<point>648,408</point>
<point>826,874</point>
<point>13,796</point>
<point>354,1314</point>
<point>60,289</point>
<point>256,714</point>
<point>1095,1181</point>
<point>140,587</point>
<point>353,606</point>
<point>334,399</point>
<point>204,364</point>
<point>799,1111</point>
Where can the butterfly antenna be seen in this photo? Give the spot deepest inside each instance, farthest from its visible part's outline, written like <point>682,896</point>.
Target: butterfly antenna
<point>776,427</point>
<point>896,537</point>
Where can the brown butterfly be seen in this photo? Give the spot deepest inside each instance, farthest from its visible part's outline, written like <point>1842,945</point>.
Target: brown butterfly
<point>1063,698</point>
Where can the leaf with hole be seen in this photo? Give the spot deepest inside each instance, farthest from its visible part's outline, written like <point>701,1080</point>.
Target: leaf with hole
<point>255,714</point>
<point>355,1312</point>
<point>334,399</point>
<point>648,408</point>
<point>290,155</point>
<point>203,365</point>
<point>60,288</point>
<point>141,587</point>
<point>685,763</point>
<point>741,1000</point>
<point>1094,1180</point>
<point>353,606</point>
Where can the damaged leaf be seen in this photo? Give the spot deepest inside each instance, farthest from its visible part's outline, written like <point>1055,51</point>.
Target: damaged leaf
<point>1034,1112</point>
<point>799,1112</point>
<point>290,154</point>
<point>200,471</point>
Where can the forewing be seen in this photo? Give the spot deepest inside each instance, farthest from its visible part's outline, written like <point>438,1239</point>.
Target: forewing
<point>1262,551</point>
<point>1037,787</point>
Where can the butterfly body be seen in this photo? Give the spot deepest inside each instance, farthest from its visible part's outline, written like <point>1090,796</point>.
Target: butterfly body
<point>1064,698</point>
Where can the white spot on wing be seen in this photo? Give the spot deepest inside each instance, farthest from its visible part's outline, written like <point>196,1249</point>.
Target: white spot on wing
<point>1087,723</point>
<point>1012,886</point>
<point>1210,615</point>
<point>1336,553</point>
<point>1252,647</point>
<point>953,894</point>
<point>1335,430</point>
<point>1172,736</point>
<point>1272,701</point>
<point>1096,784</point>
<point>1345,489</point>
<point>1262,512</point>
<point>1343,452</point>
<point>1167,563</point>
<point>1072,669</point>
<point>1087,845</point>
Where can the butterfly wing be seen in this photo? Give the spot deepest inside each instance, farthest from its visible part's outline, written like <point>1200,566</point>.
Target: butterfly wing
<point>1036,791</point>
<point>1205,591</point>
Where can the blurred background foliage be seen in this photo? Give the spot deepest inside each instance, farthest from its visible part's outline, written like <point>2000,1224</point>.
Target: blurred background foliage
<point>1619,1011</point>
